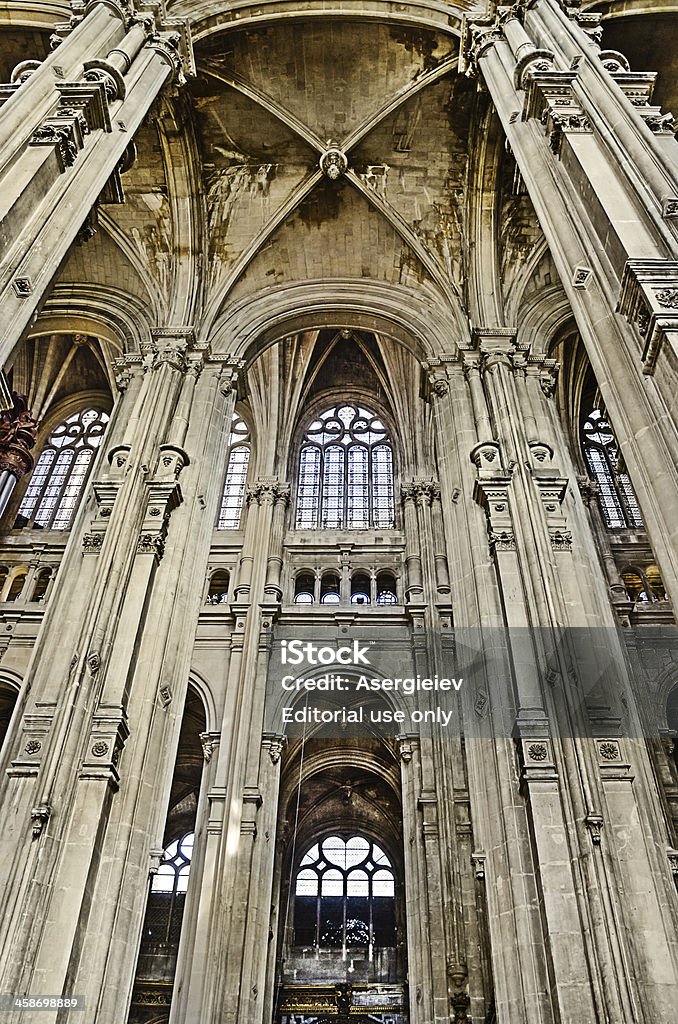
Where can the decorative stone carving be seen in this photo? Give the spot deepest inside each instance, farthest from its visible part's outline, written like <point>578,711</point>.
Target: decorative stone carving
<point>22,287</point>
<point>649,301</point>
<point>405,748</point>
<point>485,455</point>
<point>457,971</point>
<point>541,451</point>
<point>170,46</point>
<point>100,748</point>
<point>209,741</point>
<point>23,71</point>
<point>33,747</point>
<point>609,750</point>
<point>268,490</point>
<point>171,461</point>
<point>613,61</point>
<point>275,744</point>
<point>481,703</point>
<point>594,823</point>
<point>581,277</point>
<point>667,298</point>
<point>561,540</point>
<point>151,544</point>
<point>504,541</point>
<point>40,815</point>
<point>91,543</point>
<point>588,488</point>
<point>18,431</point>
<point>478,860</point>
<point>547,381</point>
<point>63,137</point>
<point>165,695</point>
<point>333,163</point>
<point>460,1003</point>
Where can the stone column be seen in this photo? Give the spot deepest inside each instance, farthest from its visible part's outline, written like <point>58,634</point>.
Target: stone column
<point>33,90</point>
<point>145,538</point>
<point>234,916</point>
<point>499,828</point>
<point>71,156</point>
<point>415,585</point>
<point>604,185</point>
<point>562,767</point>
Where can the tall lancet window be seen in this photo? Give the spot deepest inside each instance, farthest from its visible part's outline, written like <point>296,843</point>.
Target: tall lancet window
<point>58,480</point>
<point>346,472</point>
<point>618,501</point>
<point>239,448</point>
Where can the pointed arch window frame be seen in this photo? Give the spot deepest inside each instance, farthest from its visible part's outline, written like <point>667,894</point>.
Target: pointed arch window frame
<point>238,459</point>
<point>355,873</point>
<point>345,469</point>
<point>57,483</point>
<point>616,497</point>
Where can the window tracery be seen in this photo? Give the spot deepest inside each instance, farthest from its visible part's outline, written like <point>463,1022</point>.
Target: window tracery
<point>346,472</point>
<point>239,450</point>
<point>345,895</point>
<point>58,480</point>
<point>618,501</point>
<point>162,925</point>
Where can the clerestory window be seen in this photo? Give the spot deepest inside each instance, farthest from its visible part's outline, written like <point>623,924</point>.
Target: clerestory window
<point>346,472</point>
<point>617,499</point>
<point>58,480</point>
<point>239,449</point>
<point>345,895</point>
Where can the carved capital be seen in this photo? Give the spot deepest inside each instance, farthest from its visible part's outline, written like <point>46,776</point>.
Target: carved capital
<point>40,815</point>
<point>274,744</point>
<point>594,823</point>
<point>268,491</point>
<point>209,741</point>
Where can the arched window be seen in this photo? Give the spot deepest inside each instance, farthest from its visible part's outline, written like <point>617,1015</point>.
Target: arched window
<point>345,895</point>
<point>41,584</point>
<point>304,588</point>
<point>330,588</point>
<point>217,591</point>
<point>618,501</point>
<point>239,446</point>
<point>58,480</point>
<point>162,925</point>
<point>360,588</point>
<point>346,472</point>
<point>17,585</point>
<point>386,588</point>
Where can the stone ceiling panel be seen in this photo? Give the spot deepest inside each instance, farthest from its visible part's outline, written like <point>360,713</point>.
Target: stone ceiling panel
<point>330,74</point>
<point>335,233</point>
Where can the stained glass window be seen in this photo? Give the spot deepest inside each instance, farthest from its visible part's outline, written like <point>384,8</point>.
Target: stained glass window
<point>230,513</point>
<point>346,472</point>
<point>617,499</point>
<point>345,895</point>
<point>58,480</point>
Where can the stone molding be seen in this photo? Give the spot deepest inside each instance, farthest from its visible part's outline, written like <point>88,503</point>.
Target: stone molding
<point>648,299</point>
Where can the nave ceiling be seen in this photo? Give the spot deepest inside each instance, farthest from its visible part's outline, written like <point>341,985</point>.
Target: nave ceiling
<point>226,199</point>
